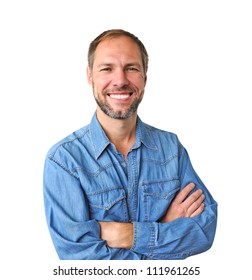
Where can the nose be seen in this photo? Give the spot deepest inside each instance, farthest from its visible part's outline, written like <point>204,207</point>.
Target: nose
<point>120,78</point>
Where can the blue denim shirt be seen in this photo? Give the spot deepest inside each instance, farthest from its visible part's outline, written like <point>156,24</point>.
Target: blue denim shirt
<point>86,180</point>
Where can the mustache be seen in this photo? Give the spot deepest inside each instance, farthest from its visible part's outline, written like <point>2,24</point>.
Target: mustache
<point>119,89</point>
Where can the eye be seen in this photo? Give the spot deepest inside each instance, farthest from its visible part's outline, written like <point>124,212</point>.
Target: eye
<point>105,69</point>
<point>132,69</point>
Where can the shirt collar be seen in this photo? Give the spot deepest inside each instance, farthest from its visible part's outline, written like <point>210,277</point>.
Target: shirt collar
<point>100,140</point>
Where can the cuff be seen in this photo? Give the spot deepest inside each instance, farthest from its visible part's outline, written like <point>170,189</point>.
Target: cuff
<point>144,237</point>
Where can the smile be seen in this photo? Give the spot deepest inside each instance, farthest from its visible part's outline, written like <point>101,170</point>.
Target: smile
<point>120,96</point>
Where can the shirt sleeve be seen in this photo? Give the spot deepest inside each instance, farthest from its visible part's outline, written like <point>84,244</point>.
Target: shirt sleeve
<point>181,237</point>
<point>74,235</point>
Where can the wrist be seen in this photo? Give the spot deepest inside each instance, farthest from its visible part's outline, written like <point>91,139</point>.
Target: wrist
<point>127,229</point>
<point>117,235</point>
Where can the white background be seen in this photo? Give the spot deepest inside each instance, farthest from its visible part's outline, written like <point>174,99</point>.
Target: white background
<point>199,87</point>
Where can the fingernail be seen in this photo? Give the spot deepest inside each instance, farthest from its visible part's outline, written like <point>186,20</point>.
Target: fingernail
<point>192,185</point>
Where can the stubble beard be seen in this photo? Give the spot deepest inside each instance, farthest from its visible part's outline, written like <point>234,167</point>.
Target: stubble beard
<point>119,114</point>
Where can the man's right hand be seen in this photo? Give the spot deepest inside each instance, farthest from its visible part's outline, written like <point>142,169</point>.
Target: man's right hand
<point>183,206</point>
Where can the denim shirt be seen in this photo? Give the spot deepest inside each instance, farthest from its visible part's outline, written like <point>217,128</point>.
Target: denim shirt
<point>87,180</point>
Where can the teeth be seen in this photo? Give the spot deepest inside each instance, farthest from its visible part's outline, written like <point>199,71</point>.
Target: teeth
<point>120,96</point>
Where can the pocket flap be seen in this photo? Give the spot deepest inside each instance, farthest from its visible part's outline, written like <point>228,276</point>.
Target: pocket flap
<point>161,189</point>
<point>106,199</point>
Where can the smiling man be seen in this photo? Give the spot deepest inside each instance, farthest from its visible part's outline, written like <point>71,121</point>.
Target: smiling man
<point>119,188</point>
<point>119,78</point>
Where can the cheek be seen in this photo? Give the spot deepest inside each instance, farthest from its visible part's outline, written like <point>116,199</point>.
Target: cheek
<point>140,86</point>
<point>100,83</point>
<point>138,81</point>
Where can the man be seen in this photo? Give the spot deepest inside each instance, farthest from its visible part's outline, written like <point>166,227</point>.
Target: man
<point>119,188</point>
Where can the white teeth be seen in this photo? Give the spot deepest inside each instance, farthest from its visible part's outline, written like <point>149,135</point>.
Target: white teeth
<point>120,96</point>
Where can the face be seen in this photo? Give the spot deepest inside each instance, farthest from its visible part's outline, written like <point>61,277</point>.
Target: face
<point>117,77</point>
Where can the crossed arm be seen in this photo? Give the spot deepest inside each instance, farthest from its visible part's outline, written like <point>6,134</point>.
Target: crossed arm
<point>120,235</point>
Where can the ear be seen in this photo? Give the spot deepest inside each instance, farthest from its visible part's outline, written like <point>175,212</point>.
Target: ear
<point>89,76</point>
<point>145,80</point>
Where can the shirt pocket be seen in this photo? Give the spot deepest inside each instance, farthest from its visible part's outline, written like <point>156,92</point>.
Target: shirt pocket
<point>157,196</point>
<point>108,205</point>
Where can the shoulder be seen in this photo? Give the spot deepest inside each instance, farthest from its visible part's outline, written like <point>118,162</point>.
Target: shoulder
<point>161,134</point>
<point>164,142</point>
<point>68,141</point>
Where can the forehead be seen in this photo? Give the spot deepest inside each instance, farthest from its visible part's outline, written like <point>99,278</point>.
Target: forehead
<point>119,47</point>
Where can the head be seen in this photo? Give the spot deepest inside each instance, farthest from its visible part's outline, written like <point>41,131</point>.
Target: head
<point>117,68</point>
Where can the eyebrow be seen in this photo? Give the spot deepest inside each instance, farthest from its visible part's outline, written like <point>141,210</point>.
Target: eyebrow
<point>127,65</point>
<point>134,64</point>
<point>104,64</point>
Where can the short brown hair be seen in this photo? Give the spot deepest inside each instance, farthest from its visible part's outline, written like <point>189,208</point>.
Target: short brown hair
<point>113,33</point>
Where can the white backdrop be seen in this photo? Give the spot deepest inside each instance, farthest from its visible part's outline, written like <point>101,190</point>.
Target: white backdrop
<point>199,87</point>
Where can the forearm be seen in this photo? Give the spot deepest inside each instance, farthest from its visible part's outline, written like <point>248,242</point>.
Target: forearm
<point>75,236</point>
<point>81,241</point>
<point>172,234</point>
<point>117,235</point>
<point>177,239</point>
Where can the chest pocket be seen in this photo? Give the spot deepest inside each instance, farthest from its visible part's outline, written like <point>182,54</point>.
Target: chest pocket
<point>108,205</point>
<point>157,197</point>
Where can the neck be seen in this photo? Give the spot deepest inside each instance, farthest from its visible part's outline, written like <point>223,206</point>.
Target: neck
<point>122,133</point>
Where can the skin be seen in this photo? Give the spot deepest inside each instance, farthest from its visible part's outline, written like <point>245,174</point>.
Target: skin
<point>118,81</point>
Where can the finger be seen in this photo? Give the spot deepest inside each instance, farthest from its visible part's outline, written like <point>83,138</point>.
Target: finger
<point>198,211</point>
<point>184,193</point>
<point>195,205</point>
<point>192,198</point>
